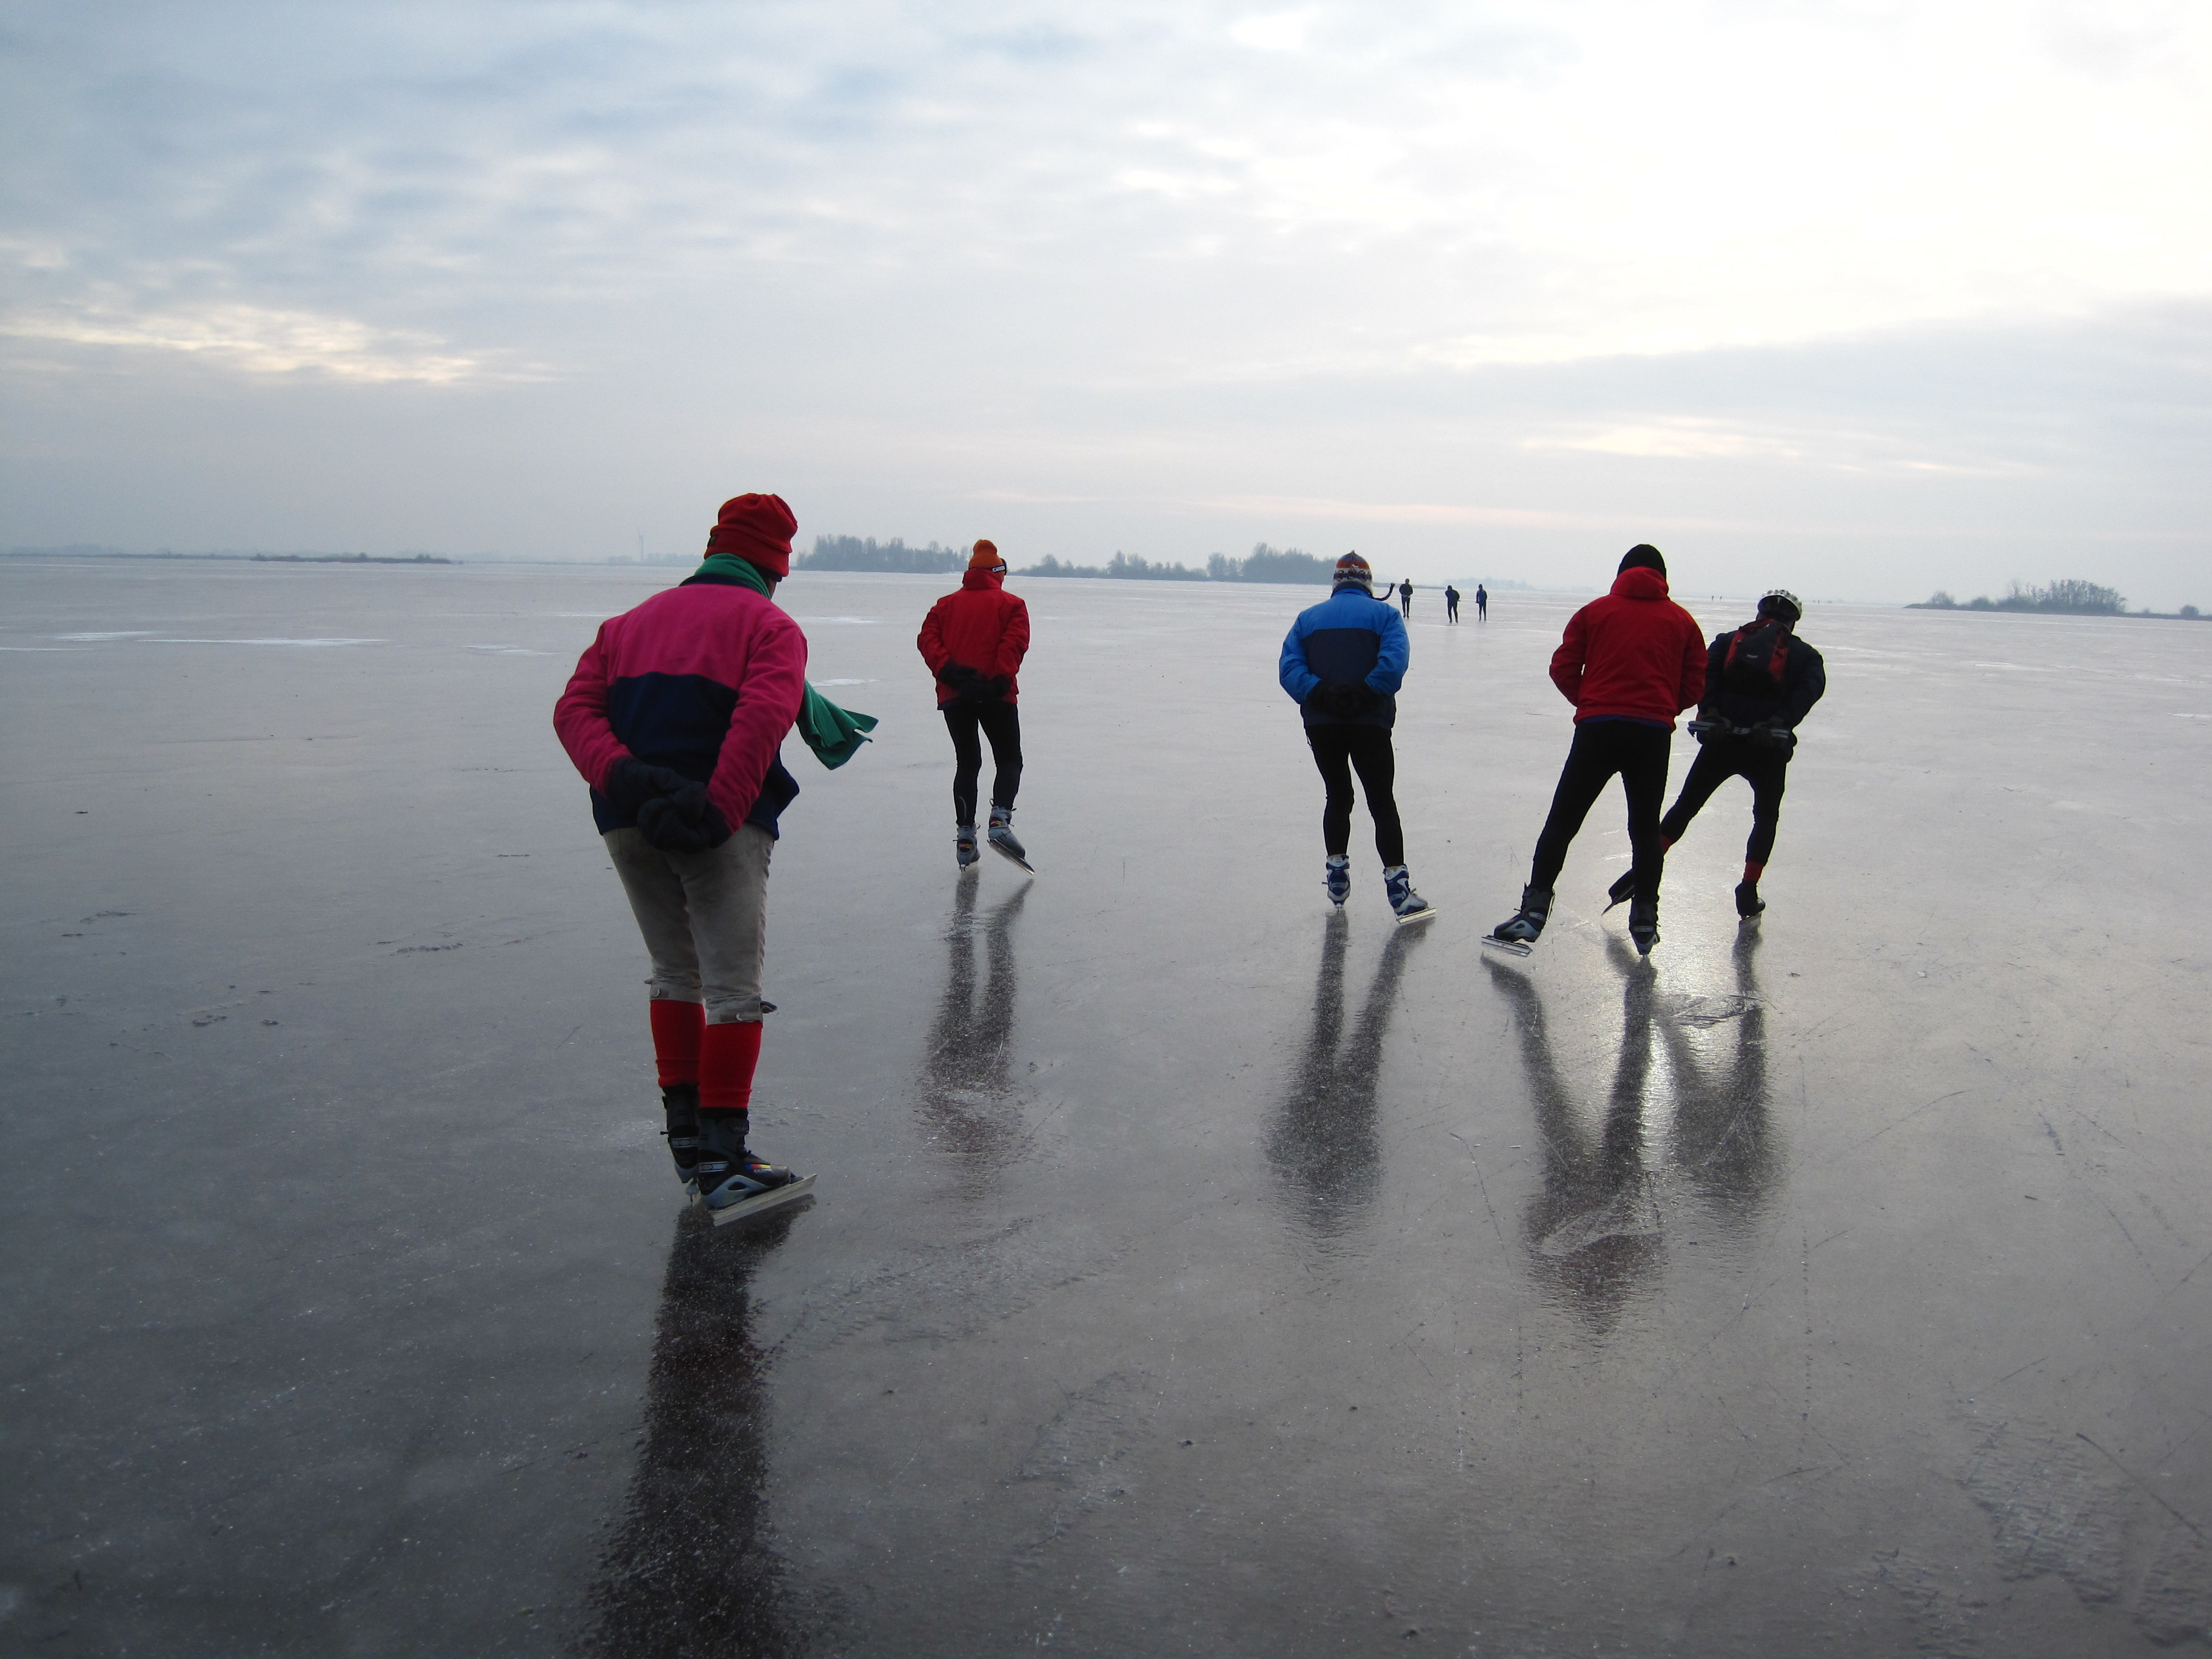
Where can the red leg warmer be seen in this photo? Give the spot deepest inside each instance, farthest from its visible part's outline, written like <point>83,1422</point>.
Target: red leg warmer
<point>727,1055</point>
<point>676,1028</point>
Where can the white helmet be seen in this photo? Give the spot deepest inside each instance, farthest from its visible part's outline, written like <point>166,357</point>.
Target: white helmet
<point>1795,605</point>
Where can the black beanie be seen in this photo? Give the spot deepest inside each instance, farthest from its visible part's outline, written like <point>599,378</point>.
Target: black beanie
<point>1643,557</point>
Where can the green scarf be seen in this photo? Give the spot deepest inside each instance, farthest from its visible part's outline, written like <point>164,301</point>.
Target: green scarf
<point>834,734</point>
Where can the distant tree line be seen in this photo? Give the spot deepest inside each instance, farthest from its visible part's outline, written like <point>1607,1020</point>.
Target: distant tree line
<point>2064,598</point>
<point>1263,564</point>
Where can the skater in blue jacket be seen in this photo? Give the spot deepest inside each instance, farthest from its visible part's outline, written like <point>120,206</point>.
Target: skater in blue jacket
<point>1343,662</point>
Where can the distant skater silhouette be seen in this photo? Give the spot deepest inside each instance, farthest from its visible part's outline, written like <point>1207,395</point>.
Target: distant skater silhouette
<point>1451,602</point>
<point>1406,597</point>
<point>1481,602</point>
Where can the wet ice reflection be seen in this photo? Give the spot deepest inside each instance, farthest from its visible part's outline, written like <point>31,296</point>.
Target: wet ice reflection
<point>967,1103</point>
<point>1323,1146</point>
<point>1684,1116</point>
<point>689,1569</point>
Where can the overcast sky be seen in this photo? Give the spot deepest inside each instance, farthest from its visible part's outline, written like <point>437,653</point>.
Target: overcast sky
<point>1860,299</point>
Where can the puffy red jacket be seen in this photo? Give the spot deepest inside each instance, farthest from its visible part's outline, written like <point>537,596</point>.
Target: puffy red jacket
<point>1634,654</point>
<point>986,628</point>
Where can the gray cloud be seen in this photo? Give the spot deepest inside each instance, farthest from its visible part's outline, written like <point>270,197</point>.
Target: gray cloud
<point>1170,278</point>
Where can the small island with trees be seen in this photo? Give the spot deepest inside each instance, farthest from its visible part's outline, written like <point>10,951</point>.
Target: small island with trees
<point>2072,598</point>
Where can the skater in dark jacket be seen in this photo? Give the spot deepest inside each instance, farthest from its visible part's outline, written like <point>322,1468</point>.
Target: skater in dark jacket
<point>1342,664</point>
<point>1760,681</point>
<point>674,717</point>
<point>1482,603</point>
<point>1628,662</point>
<point>1406,597</point>
<point>974,641</point>
<point>1451,602</point>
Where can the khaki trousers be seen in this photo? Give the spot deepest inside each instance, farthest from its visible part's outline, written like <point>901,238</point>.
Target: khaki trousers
<point>704,916</point>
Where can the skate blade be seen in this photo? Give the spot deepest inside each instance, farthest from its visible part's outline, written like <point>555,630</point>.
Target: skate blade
<point>760,1203</point>
<point>1510,947</point>
<point>1013,858</point>
<point>1418,915</point>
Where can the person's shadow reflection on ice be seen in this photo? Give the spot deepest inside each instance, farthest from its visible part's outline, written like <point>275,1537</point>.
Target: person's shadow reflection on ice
<point>1596,1233</point>
<point>688,1571</point>
<point>1326,1155</point>
<point>967,1094</point>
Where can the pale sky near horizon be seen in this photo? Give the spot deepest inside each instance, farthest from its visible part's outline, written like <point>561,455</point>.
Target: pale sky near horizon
<point>1864,300</point>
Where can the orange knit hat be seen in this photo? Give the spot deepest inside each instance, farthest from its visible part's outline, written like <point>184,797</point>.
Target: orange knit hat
<point>985,557</point>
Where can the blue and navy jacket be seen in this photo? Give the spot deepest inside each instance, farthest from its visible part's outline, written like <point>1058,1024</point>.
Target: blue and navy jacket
<point>1350,638</point>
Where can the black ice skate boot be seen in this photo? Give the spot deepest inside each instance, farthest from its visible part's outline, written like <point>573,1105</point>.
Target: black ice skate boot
<point>732,1182</point>
<point>1644,924</point>
<point>963,845</point>
<point>1336,878</point>
<point>1526,926</point>
<point>1747,900</point>
<point>1001,837</point>
<point>681,1102</point>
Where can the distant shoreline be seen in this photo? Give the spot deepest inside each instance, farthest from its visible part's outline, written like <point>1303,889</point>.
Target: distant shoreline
<point>239,558</point>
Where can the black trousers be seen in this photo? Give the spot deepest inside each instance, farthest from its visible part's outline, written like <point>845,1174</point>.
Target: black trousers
<point>1339,752</point>
<point>1001,722</point>
<point>1767,770</point>
<point>1603,748</point>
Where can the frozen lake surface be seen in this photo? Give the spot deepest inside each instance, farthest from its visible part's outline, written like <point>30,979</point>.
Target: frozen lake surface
<point>1190,1273</point>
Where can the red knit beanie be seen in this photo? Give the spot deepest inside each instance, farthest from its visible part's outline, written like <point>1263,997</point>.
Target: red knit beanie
<point>985,557</point>
<point>757,528</point>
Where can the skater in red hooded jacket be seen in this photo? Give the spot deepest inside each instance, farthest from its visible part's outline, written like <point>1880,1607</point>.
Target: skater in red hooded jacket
<point>1628,662</point>
<point>974,641</point>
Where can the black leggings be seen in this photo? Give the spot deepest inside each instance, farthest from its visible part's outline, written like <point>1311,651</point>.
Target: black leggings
<point>1767,770</point>
<point>1639,754</point>
<point>1339,750</point>
<point>1001,722</point>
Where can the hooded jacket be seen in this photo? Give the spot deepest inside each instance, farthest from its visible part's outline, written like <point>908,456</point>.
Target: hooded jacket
<point>1634,654</point>
<point>1350,639</point>
<point>704,678</point>
<point>981,627</point>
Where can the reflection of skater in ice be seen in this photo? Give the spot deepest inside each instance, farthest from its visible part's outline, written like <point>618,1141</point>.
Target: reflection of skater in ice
<point>674,716</point>
<point>1760,681</point>
<point>1406,597</point>
<point>967,1095</point>
<point>1342,664</point>
<point>1628,662</point>
<point>1324,1148</point>
<point>692,1567</point>
<point>1451,602</point>
<point>974,641</point>
<point>1595,1234</point>
<point>1482,603</point>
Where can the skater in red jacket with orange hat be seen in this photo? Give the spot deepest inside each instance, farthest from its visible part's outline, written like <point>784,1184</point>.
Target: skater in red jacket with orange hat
<point>1628,662</point>
<point>974,641</point>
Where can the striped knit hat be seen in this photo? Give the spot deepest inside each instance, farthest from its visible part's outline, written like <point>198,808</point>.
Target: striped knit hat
<point>1352,571</point>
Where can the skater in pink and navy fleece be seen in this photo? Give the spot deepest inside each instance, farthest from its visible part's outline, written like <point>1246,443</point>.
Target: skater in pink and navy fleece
<point>675,717</point>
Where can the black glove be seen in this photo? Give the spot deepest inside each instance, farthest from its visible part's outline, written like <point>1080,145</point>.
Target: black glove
<point>1768,735</point>
<point>1344,700</point>
<point>684,820</point>
<point>957,675</point>
<point>631,783</point>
